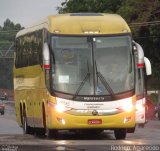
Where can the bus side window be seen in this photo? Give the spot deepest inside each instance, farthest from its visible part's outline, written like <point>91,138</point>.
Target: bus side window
<point>40,46</point>
<point>33,58</point>
<point>16,53</point>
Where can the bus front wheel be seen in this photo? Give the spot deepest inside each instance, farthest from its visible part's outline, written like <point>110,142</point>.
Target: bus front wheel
<point>120,133</point>
<point>51,133</point>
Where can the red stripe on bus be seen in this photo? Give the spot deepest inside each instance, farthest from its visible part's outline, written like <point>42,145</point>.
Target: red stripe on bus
<point>46,66</point>
<point>140,65</point>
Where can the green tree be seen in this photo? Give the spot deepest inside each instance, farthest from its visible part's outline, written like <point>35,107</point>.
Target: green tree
<point>75,6</point>
<point>148,35</point>
<point>8,25</point>
<point>18,27</point>
<point>7,37</point>
<point>9,30</point>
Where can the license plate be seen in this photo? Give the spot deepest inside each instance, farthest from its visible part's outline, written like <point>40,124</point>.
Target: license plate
<point>94,121</point>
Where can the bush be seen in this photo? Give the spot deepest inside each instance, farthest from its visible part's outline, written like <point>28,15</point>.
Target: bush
<point>154,98</point>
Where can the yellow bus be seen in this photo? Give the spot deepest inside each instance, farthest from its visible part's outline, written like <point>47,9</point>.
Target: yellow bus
<point>76,72</point>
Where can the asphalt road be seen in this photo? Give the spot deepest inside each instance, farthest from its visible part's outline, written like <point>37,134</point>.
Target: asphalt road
<point>12,138</point>
<point>8,123</point>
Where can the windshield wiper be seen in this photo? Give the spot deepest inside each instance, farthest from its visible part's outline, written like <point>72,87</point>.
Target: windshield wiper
<point>104,82</point>
<point>82,83</point>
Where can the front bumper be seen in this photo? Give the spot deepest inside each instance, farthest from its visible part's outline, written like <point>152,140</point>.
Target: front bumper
<point>64,120</point>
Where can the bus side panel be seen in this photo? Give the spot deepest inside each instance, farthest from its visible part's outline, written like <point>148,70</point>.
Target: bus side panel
<point>29,90</point>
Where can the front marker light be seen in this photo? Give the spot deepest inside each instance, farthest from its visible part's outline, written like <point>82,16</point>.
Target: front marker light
<point>61,120</point>
<point>127,119</point>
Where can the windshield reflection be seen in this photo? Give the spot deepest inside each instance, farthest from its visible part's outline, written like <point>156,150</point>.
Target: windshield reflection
<point>75,56</point>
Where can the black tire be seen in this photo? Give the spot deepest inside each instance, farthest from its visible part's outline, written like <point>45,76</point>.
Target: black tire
<point>51,133</point>
<point>2,113</point>
<point>26,128</point>
<point>120,133</point>
<point>40,132</point>
<point>131,130</point>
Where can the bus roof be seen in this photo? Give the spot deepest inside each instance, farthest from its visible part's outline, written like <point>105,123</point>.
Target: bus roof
<point>81,24</point>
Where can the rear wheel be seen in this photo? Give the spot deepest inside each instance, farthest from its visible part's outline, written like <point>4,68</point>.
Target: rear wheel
<point>26,129</point>
<point>120,133</point>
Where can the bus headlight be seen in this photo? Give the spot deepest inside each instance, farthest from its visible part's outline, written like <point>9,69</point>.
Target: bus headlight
<point>61,108</point>
<point>63,105</point>
<point>127,106</point>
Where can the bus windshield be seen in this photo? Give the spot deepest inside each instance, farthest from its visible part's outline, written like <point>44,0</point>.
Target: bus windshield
<point>92,65</point>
